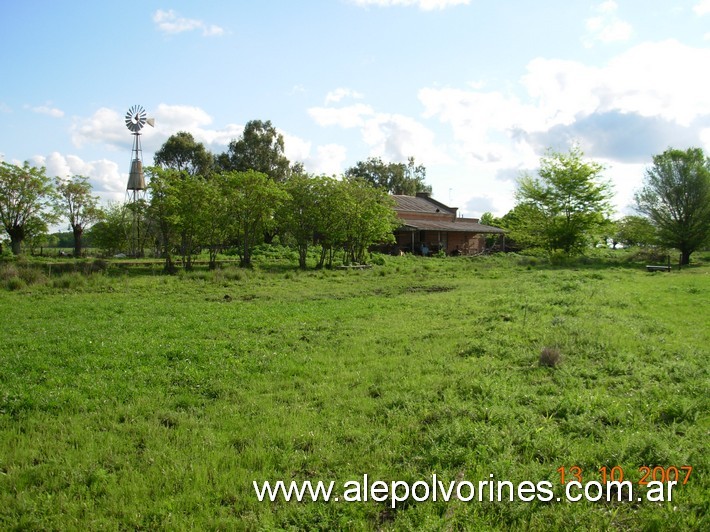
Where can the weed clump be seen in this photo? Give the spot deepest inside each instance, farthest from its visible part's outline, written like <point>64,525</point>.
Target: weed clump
<point>550,357</point>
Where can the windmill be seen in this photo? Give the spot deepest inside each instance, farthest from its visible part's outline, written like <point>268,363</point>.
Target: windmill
<point>135,189</point>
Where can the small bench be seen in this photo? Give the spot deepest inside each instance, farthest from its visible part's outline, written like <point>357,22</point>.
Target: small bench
<point>650,268</point>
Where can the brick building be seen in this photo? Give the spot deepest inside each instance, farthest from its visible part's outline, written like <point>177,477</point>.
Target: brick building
<point>429,226</point>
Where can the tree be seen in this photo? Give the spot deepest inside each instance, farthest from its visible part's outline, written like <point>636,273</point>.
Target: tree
<point>566,205</point>
<point>395,178</point>
<point>36,233</point>
<point>259,148</point>
<point>164,209</point>
<point>25,192</point>
<point>634,231</point>
<point>676,199</point>
<point>74,200</point>
<point>487,218</point>
<point>109,233</point>
<point>299,215</point>
<point>253,200</point>
<point>217,221</point>
<point>369,217</point>
<point>181,152</point>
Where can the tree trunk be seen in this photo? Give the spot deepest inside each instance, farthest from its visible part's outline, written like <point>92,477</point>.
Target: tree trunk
<point>169,265</point>
<point>302,254</point>
<point>78,232</point>
<point>685,257</point>
<point>213,258</point>
<point>246,257</point>
<point>17,235</point>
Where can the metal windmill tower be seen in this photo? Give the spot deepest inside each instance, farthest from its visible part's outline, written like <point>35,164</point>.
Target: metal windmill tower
<point>135,189</point>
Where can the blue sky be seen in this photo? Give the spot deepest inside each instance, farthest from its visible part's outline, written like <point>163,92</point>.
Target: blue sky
<point>474,90</point>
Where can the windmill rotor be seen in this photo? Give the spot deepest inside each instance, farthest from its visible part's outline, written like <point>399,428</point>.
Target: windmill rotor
<point>136,118</point>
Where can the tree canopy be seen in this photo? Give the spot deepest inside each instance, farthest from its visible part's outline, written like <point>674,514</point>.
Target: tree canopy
<point>676,199</point>
<point>182,152</point>
<point>75,201</point>
<point>565,206</point>
<point>25,194</point>
<point>259,148</point>
<point>395,178</point>
<point>634,231</point>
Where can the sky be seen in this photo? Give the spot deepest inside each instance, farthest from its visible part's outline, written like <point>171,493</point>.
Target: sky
<point>475,90</point>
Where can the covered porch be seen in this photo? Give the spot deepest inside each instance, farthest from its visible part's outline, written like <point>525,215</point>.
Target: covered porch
<point>428,237</point>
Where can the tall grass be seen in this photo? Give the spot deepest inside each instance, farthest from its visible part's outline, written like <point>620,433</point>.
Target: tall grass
<point>154,402</point>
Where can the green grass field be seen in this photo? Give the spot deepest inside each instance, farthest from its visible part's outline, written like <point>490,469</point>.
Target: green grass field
<point>140,401</point>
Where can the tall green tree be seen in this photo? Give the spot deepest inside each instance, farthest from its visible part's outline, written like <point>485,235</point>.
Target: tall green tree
<point>75,202</point>
<point>254,199</point>
<point>164,209</point>
<point>676,199</point>
<point>182,152</point>
<point>259,148</point>
<point>25,194</point>
<point>395,178</point>
<point>635,231</point>
<point>218,226</point>
<point>566,205</point>
<point>110,233</point>
<point>299,215</point>
<point>369,217</point>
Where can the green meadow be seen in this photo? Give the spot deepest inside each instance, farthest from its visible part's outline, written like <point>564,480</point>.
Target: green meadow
<point>134,400</point>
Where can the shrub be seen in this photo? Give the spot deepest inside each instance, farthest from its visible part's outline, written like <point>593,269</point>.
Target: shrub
<point>15,283</point>
<point>379,260</point>
<point>550,357</point>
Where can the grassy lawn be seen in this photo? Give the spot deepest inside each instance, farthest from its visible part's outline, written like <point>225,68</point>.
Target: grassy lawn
<point>150,402</point>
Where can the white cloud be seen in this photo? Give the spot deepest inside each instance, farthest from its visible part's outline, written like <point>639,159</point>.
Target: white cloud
<point>340,93</point>
<point>104,126</point>
<point>396,137</point>
<point>328,160</point>
<point>181,117</point>
<point>347,117</point>
<point>702,7</point>
<point>425,5</point>
<point>106,180</point>
<point>170,22</point>
<point>705,139</point>
<point>606,26</point>
<point>623,111</point>
<point>4,108</point>
<point>47,110</point>
<point>650,80</point>
<point>107,126</point>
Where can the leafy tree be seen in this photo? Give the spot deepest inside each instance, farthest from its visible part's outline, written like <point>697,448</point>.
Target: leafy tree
<point>217,221</point>
<point>395,178</point>
<point>487,218</point>
<point>299,215</point>
<point>109,233</point>
<point>331,199</point>
<point>164,209</point>
<point>25,192</point>
<point>36,233</point>
<point>634,231</point>
<point>74,200</point>
<point>565,207</point>
<point>181,152</point>
<point>369,217</point>
<point>676,199</point>
<point>259,148</point>
<point>254,199</point>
